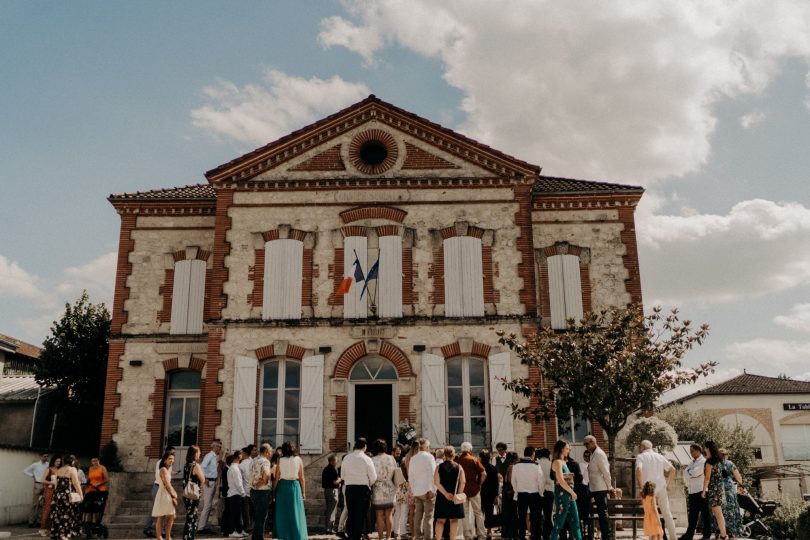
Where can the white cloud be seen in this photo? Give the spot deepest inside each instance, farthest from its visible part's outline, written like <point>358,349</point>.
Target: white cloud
<point>765,356</point>
<point>799,318</point>
<point>97,277</point>
<point>751,119</point>
<point>594,102</point>
<point>260,113</point>
<point>16,282</point>
<point>757,248</point>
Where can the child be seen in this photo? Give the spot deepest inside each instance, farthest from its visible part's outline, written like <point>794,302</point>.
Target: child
<point>652,521</point>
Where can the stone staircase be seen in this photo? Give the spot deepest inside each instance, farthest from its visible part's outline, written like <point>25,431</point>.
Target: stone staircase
<point>129,516</point>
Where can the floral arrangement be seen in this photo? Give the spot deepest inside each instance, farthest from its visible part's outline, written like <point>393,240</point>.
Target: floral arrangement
<point>405,432</point>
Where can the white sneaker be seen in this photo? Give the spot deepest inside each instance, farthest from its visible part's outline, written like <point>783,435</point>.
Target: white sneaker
<point>245,534</point>
<point>235,534</point>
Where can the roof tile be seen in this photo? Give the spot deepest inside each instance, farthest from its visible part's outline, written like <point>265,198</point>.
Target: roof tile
<point>748,383</point>
<point>191,192</point>
<point>554,184</point>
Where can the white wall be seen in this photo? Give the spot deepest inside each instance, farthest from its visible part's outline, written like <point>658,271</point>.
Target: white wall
<point>15,487</point>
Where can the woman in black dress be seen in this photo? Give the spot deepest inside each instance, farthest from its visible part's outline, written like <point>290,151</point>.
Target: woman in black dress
<point>489,492</point>
<point>449,480</point>
<point>509,514</point>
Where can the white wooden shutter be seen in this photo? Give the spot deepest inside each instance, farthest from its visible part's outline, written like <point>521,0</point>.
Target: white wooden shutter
<point>312,405</point>
<point>389,290</point>
<point>556,292</point>
<point>180,289</point>
<point>500,399</point>
<point>353,306</point>
<point>472,275</point>
<point>244,401</point>
<point>434,400</point>
<point>283,278</point>
<point>453,281</point>
<point>196,297</point>
<point>573,287</point>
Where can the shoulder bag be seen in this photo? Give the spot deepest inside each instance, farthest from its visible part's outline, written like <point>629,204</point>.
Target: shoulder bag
<point>459,498</point>
<point>191,490</point>
<point>399,477</point>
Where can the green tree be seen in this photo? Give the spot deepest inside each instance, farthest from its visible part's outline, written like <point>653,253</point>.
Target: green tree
<point>653,429</point>
<point>701,426</point>
<point>607,366</point>
<point>74,360</point>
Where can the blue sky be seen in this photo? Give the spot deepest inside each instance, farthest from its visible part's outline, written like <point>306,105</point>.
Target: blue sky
<point>706,104</point>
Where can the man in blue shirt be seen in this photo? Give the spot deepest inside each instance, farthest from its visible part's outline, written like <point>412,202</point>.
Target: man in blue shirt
<point>35,471</point>
<point>209,469</point>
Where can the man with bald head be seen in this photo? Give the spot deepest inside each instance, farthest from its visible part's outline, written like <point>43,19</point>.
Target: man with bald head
<point>653,467</point>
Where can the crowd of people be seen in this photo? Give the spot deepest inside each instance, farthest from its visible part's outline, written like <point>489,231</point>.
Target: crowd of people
<point>67,501</point>
<point>412,492</point>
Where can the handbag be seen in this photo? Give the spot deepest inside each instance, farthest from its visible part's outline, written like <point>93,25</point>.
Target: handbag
<point>75,498</point>
<point>399,477</point>
<point>191,491</point>
<point>459,498</point>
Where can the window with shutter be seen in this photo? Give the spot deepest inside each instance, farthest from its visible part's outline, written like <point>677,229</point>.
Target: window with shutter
<point>188,294</point>
<point>463,277</point>
<point>467,401</point>
<point>312,405</point>
<point>280,401</point>
<point>565,290</point>
<point>283,279</point>
<point>355,248</point>
<point>434,407</point>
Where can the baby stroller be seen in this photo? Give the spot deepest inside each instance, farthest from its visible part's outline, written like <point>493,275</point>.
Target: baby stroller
<point>94,503</point>
<point>754,510</point>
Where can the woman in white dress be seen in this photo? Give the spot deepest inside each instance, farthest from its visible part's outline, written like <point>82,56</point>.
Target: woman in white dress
<point>166,498</point>
<point>384,491</point>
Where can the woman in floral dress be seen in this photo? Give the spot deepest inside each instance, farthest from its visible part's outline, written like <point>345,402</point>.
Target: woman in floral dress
<point>731,479</point>
<point>66,517</point>
<point>713,489</point>
<point>383,492</point>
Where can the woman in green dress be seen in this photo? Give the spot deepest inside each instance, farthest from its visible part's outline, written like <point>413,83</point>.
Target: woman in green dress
<point>565,499</point>
<point>289,490</point>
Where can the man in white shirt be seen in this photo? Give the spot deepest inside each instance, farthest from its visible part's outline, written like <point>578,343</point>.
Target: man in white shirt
<point>420,476</point>
<point>653,467</point>
<point>35,471</point>
<point>528,482</point>
<point>248,453</point>
<point>236,491</point>
<point>600,483</point>
<point>698,506</point>
<point>358,474</point>
<point>209,468</point>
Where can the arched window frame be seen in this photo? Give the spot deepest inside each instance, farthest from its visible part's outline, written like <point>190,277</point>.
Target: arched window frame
<point>279,433</point>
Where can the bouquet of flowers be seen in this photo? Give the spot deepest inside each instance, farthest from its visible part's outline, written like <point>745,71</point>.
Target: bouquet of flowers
<point>405,432</point>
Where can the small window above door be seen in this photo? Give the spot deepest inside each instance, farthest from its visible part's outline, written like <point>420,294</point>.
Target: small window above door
<point>184,380</point>
<point>373,368</point>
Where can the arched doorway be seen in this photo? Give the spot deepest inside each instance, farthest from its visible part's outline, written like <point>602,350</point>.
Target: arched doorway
<point>373,399</point>
<point>182,411</point>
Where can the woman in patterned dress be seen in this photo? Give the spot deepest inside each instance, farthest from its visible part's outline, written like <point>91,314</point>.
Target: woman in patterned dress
<point>731,479</point>
<point>713,489</point>
<point>192,472</point>
<point>48,481</point>
<point>383,492</point>
<point>66,517</point>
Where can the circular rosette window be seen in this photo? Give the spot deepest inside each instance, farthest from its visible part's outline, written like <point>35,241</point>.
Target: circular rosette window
<point>373,151</point>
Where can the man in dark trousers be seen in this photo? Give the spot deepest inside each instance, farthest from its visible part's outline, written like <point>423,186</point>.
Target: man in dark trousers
<point>528,482</point>
<point>358,473</point>
<point>330,482</point>
<point>698,505</point>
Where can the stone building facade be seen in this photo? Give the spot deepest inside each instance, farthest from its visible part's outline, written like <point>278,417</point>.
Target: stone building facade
<point>227,322</point>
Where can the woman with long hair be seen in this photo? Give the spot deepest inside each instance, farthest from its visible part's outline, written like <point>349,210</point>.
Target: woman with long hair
<point>509,513</point>
<point>404,509</point>
<point>166,498</point>
<point>489,491</point>
<point>713,486</point>
<point>565,498</point>
<point>66,517</point>
<point>192,472</point>
<point>383,492</point>
<point>449,481</point>
<point>48,482</point>
<point>290,491</point>
<point>731,480</point>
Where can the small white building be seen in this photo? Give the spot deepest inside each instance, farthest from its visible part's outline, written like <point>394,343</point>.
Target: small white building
<point>778,412</point>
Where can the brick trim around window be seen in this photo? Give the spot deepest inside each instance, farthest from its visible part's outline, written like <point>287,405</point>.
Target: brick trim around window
<point>563,248</point>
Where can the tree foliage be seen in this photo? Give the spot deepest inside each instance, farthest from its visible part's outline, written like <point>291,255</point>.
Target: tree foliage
<point>606,366</point>
<point>74,360</point>
<point>701,426</point>
<point>653,429</point>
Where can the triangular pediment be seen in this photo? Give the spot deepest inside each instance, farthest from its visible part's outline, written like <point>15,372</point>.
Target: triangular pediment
<point>372,138</point>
